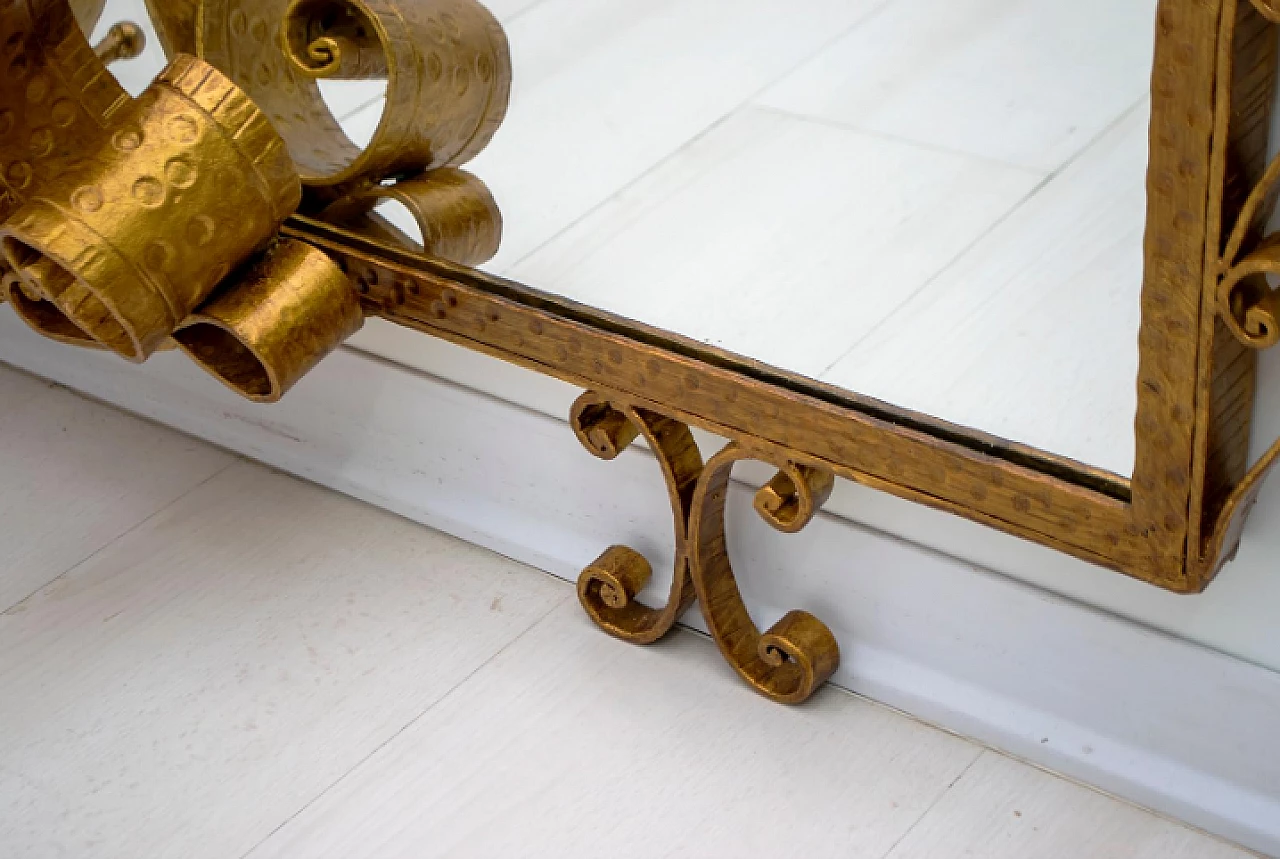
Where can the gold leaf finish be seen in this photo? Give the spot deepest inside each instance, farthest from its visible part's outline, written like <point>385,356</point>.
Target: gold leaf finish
<point>456,215</point>
<point>1249,306</point>
<point>55,99</point>
<point>175,22</point>
<point>191,180</point>
<point>786,664</point>
<point>447,65</point>
<point>131,224</point>
<point>126,224</point>
<point>274,323</point>
<point>607,588</point>
<point>798,654</point>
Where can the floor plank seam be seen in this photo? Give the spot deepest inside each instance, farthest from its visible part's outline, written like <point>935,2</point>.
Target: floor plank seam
<point>995,225</point>
<point>836,124</point>
<point>982,750</point>
<point>236,460</point>
<point>749,101</point>
<point>525,11</point>
<point>400,731</point>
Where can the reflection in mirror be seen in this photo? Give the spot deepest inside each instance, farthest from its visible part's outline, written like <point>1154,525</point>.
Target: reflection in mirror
<point>936,203</point>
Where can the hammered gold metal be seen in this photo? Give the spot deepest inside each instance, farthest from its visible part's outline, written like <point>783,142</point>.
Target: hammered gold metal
<point>120,238</point>
<point>332,39</point>
<point>273,323</point>
<point>615,579</point>
<point>1174,523</point>
<point>124,41</point>
<point>176,22</point>
<point>1249,306</point>
<point>192,180</point>
<point>1270,9</point>
<point>789,501</point>
<point>456,215</point>
<point>799,653</point>
<point>86,272</point>
<point>88,13</point>
<point>55,100</point>
<point>607,589</point>
<point>447,65</point>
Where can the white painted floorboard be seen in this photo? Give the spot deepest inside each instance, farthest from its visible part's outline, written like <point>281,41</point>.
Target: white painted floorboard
<point>669,251</point>
<point>1025,82</point>
<point>260,667</point>
<point>1002,809</point>
<point>1060,272</point>
<point>74,476</point>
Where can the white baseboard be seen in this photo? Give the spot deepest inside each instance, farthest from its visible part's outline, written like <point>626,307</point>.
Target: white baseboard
<point>1166,723</point>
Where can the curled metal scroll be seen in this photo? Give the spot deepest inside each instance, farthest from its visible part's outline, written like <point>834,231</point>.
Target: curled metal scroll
<point>127,225</point>
<point>1249,306</point>
<point>796,655</point>
<point>457,217</point>
<point>446,62</point>
<point>237,335</point>
<point>56,102</point>
<point>128,242</point>
<point>608,588</point>
<point>447,66</point>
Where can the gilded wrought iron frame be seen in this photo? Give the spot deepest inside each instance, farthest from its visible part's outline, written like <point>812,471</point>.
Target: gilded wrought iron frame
<point>1174,523</point>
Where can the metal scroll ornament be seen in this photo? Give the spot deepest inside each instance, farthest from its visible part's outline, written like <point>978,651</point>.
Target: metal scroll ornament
<point>797,654</point>
<point>193,217</point>
<point>226,213</point>
<point>132,225</point>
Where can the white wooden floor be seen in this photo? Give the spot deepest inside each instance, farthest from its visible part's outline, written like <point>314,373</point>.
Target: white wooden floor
<point>200,657</point>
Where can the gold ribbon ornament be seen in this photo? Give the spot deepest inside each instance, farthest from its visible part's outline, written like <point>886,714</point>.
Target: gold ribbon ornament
<point>130,224</point>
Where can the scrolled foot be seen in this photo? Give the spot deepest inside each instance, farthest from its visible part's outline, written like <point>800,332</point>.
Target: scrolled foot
<point>608,588</point>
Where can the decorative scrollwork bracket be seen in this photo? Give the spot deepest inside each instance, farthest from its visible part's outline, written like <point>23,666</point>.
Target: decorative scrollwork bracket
<point>797,654</point>
<point>1248,305</point>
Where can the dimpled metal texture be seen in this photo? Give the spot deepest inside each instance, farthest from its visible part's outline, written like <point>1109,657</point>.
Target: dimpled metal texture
<point>190,181</point>
<point>1207,304</point>
<point>447,66</point>
<point>456,215</point>
<point>55,100</point>
<point>271,325</point>
<point>119,235</point>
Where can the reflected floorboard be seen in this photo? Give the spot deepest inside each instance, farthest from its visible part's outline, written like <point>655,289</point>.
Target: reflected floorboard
<point>857,192</point>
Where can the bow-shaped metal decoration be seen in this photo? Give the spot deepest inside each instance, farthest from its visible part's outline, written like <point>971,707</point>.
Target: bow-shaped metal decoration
<point>132,224</point>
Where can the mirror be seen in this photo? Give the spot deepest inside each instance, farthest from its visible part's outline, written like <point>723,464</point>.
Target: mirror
<point>943,212</point>
<point>939,204</point>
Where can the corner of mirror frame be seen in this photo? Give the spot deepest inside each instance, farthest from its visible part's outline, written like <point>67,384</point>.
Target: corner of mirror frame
<point>1236,250</point>
<point>1206,311</point>
<point>1174,524</point>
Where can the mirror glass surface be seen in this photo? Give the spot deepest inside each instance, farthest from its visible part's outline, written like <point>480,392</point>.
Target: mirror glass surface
<point>936,203</point>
